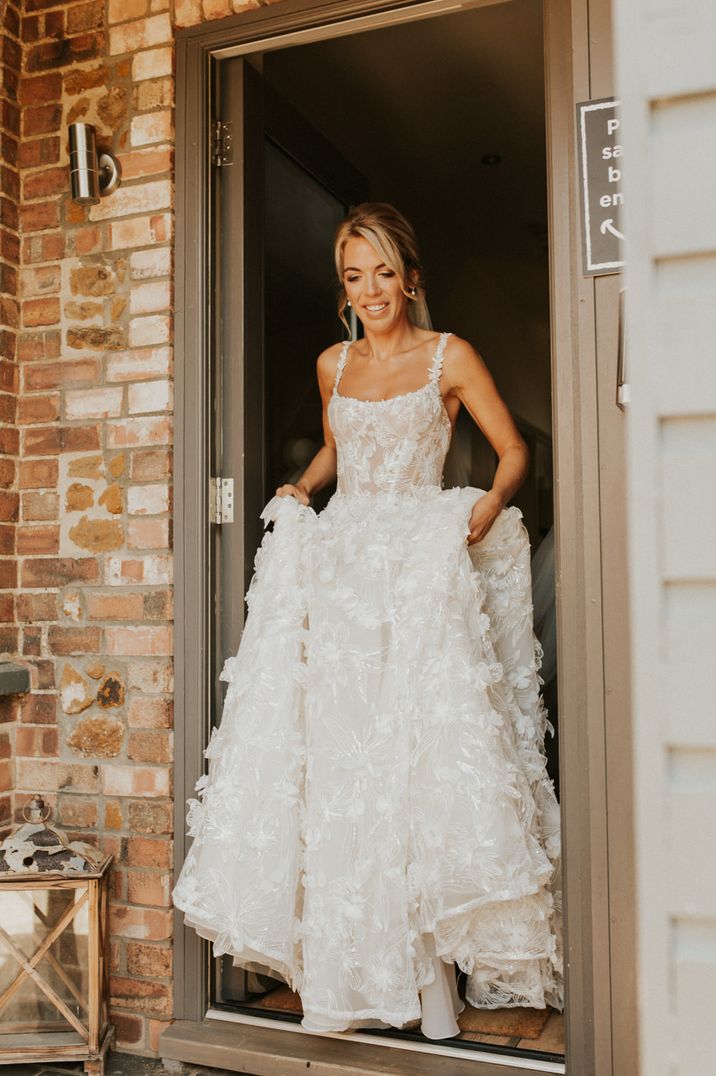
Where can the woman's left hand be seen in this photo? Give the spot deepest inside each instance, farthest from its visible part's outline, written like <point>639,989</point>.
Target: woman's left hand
<point>484,513</point>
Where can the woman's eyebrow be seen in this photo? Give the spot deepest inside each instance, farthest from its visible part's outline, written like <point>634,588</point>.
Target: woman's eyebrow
<point>352,268</point>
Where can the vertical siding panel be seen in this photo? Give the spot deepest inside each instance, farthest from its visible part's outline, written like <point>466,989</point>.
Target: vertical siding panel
<point>666,79</point>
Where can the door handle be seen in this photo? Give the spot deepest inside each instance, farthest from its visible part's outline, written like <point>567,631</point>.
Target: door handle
<point>623,387</point>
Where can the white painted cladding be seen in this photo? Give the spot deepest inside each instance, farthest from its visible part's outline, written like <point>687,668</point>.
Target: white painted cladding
<point>666,78</point>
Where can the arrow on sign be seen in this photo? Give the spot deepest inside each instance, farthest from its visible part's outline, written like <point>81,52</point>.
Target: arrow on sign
<point>608,226</point>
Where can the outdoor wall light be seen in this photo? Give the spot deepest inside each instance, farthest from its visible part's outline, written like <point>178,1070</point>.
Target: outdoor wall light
<point>91,175</point>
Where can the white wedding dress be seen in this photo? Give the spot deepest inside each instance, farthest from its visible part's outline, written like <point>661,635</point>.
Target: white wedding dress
<point>377,807</point>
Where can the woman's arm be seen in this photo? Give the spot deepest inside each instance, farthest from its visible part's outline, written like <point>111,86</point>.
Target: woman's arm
<point>322,468</point>
<point>469,379</point>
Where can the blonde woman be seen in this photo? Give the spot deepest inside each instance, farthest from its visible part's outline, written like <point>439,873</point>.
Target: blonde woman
<point>377,813</point>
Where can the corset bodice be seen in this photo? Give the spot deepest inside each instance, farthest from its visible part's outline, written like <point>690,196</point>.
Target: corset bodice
<point>392,445</point>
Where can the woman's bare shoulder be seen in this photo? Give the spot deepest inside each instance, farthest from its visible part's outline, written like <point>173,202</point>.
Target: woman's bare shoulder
<point>462,359</point>
<point>327,364</point>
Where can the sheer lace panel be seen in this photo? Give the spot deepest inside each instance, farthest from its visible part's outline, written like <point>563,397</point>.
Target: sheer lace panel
<point>391,445</point>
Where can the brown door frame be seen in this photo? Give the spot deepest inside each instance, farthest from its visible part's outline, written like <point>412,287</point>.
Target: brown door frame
<point>595,720</point>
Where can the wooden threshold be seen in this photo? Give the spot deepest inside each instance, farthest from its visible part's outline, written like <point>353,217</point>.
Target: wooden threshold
<point>264,1049</point>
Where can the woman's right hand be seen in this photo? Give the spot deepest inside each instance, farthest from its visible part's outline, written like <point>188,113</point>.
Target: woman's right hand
<point>298,492</point>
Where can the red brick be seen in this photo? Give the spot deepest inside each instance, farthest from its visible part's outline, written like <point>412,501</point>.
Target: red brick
<point>54,23</point>
<point>81,17</point>
<point>39,217</point>
<point>148,464</point>
<point>79,811</point>
<point>44,344</point>
<point>114,606</point>
<point>46,119</point>
<point>150,816</point>
<point>10,708</point>
<point>34,742</point>
<point>9,213</point>
<point>146,162</point>
<point>40,90</point>
<point>62,52</point>
<point>38,474</point>
<point>34,607</point>
<point>146,640</point>
<point>48,440</point>
<point>43,248</point>
<point>73,640</point>
<point>9,441</point>
<point>7,407</point>
<point>152,746</point>
<point>51,181</point>
<point>11,17</point>
<point>148,852</point>
<point>87,240</point>
<point>9,309</point>
<point>7,776</point>
<point>142,995</point>
<point>149,888</point>
<point>42,675</point>
<point>33,409</point>
<point>150,713</point>
<point>32,153</point>
<point>8,539</point>
<point>38,540</point>
<point>142,924</point>
<point>7,607</point>
<point>52,776</point>
<point>129,1028</point>
<point>8,581</point>
<point>151,961</point>
<point>9,504</point>
<point>7,473</point>
<point>31,641</point>
<point>62,374</point>
<point>38,506</point>
<point>41,280</point>
<point>43,311</point>
<point>57,571</point>
<point>38,709</point>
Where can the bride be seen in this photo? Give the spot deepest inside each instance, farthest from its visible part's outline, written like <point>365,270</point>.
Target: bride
<point>387,293</point>
<point>377,812</point>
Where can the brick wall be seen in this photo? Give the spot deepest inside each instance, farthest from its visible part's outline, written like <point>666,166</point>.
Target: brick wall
<point>10,64</point>
<point>86,399</point>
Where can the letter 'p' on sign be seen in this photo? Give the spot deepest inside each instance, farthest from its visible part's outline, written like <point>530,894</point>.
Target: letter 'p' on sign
<point>601,156</point>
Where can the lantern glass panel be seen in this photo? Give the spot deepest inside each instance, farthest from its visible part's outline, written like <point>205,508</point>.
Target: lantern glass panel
<point>53,1000</point>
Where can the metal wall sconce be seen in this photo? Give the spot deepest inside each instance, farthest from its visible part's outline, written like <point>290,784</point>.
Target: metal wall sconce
<point>92,176</point>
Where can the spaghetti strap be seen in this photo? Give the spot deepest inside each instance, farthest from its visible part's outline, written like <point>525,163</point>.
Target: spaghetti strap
<point>341,364</point>
<point>436,367</point>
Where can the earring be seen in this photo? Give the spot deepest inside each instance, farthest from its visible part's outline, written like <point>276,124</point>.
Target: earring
<point>349,303</point>
<point>413,291</point>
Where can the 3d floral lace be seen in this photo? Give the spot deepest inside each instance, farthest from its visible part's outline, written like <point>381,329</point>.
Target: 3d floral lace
<point>378,779</point>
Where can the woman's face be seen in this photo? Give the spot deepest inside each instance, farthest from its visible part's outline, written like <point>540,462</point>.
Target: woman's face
<point>372,287</point>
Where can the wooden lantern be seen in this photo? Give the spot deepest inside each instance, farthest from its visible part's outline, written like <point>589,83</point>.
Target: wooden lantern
<point>53,931</point>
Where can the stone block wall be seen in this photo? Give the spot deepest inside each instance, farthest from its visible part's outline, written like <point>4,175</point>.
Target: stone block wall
<point>86,457</point>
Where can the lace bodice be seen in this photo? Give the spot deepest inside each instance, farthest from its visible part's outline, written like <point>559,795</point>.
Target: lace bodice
<point>391,445</point>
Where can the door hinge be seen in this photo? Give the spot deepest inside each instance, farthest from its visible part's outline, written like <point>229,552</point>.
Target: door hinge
<point>221,500</point>
<point>222,146</point>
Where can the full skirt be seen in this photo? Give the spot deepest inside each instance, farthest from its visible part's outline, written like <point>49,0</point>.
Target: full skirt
<point>377,793</point>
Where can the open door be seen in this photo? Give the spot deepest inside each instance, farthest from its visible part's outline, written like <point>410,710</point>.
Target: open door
<point>236,320</point>
<point>281,190</point>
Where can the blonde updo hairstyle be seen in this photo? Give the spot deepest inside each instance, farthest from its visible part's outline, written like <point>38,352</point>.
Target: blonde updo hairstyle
<point>390,234</point>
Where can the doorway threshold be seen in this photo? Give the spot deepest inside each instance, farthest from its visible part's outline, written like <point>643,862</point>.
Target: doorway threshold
<point>413,1051</point>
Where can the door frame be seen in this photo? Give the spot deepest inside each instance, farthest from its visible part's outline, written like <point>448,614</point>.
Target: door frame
<point>591,620</point>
